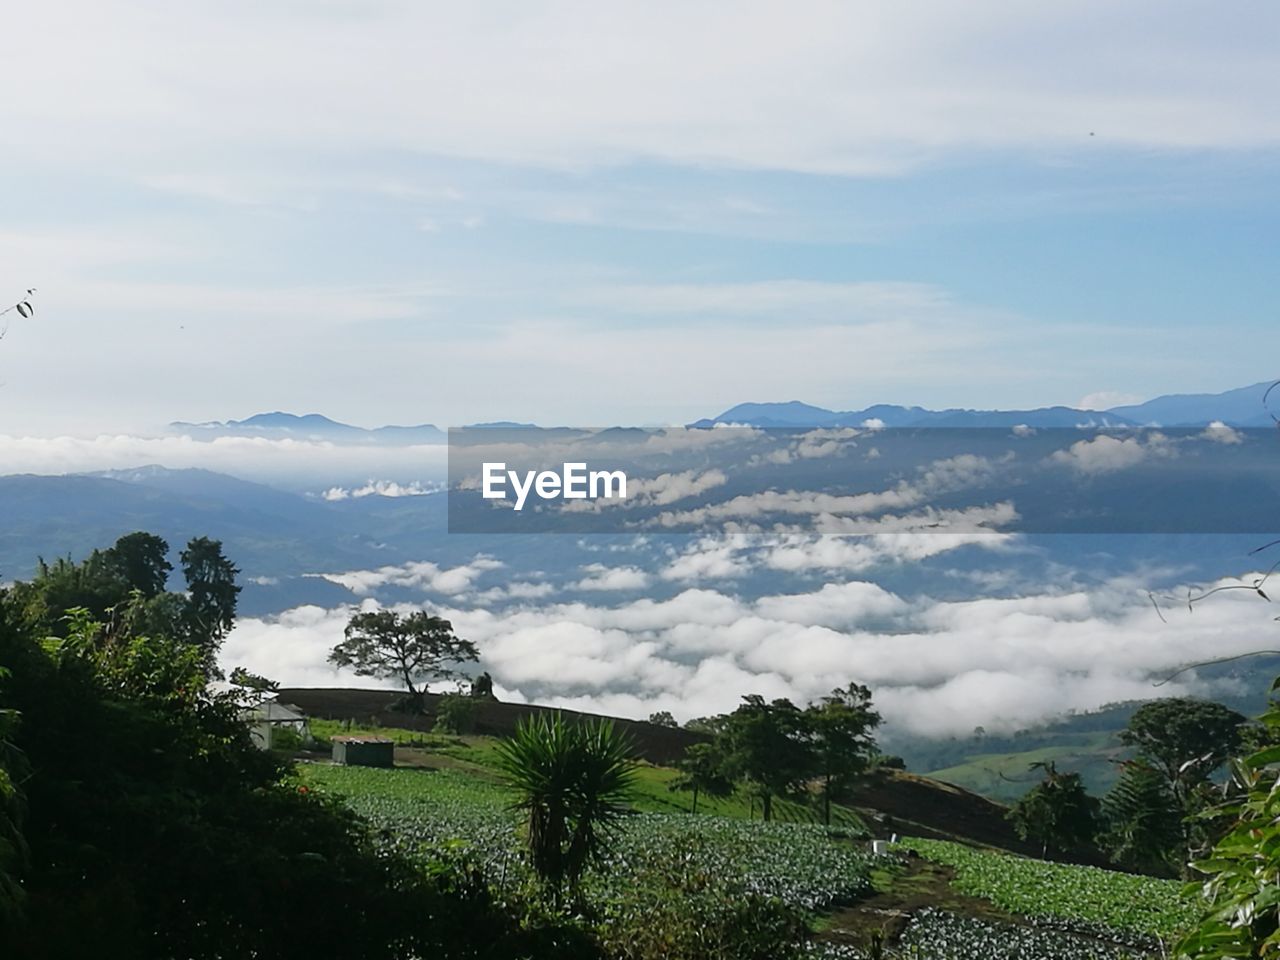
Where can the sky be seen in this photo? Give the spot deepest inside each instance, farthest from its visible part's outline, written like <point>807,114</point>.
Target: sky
<point>395,212</point>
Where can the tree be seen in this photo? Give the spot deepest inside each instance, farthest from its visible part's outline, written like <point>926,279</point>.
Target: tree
<point>572,781</point>
<point>703,769</point>
<point>413,648</point>
<point>93,584</point>
<point>841,724</point>
<point>663,718</point>
<point>769,745</point>
<point>1144,821</point>
<point>1185,738</point>
<point>482,688</point>
<point>140,560</point>
<point>1057,813</point>
<point>211,593</point>
<point>255,685</point>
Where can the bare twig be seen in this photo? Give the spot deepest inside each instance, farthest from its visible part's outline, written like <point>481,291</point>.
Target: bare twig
<point>1217,660</point>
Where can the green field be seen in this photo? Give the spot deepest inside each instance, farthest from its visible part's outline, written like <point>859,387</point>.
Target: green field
<point>475,756</point>
<point>667,865</point>
<point>1007,776</point>
<point>1059,891</point>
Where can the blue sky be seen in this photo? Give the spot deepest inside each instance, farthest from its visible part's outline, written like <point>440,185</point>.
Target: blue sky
<point>394,212</point>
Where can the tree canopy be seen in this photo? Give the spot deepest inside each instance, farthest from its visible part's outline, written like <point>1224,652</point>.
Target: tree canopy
<point>842,725</point>
<point>1185,738</point>
<point>769,747</point>
<point>1057,813</point>
<point>413,648</point>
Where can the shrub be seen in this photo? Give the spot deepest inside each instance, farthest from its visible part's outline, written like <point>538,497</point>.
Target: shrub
<point>456,713</point>
<point>572,781</point>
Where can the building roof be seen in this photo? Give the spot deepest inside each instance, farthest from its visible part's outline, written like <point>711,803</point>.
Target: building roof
<point>361,739</point>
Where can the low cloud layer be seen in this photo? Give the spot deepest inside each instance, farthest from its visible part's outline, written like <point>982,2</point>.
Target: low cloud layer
<point>287,462</point>
<point>938,667</point>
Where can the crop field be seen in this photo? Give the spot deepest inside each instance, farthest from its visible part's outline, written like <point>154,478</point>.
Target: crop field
<point>939,935</point>
<point>1038,910</point>
<point>424,812</point>
<point>1080,895</point>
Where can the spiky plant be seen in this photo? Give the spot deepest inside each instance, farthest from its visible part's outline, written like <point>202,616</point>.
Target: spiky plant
<point>572,781</point>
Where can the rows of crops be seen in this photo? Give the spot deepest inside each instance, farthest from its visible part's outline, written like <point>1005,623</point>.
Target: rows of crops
<point>421,812</point>
<point>1074,913</point>
<point>1082,895</point>
<point>938,935</point>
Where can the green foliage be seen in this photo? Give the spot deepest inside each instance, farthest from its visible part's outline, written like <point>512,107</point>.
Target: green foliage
<point>703,770</point>
<point>482,687</point>
<point>155,829</point>
<point>252,683</point>
<point>41,605</point>
<point>141,561</point>
<point>1144,821</point>
<point>1186,739</point>
<point>705,888</point>
<point>1241,888</point>
<point>456,713</point>
<point>13,845</point>
<point>285,739</point>
<point>1057,813</point>
<point>212,592</point>
<point>769,746</point>
<point>679,910</point>
<point>841,725</point>
<point>663,718</point>
<point>572,781</point>
<point>1040,889</point>
<point>936,935</point>
<point>413,648</point>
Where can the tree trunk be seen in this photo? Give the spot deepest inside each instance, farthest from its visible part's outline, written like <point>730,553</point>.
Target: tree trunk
<point>695,799</point>
<point>766,807</point>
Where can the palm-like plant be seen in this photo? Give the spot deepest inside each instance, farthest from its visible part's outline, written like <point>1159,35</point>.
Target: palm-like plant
<point>572,782</point>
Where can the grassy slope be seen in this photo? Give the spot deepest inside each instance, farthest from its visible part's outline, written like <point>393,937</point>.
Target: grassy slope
<point>1007,776</point>
<point>475,755</point>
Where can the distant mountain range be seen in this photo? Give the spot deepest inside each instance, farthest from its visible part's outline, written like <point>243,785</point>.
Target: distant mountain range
<point>311,426</point>
<point>1243,407</point>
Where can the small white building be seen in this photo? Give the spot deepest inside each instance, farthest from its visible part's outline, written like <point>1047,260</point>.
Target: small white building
<point>269,717</point>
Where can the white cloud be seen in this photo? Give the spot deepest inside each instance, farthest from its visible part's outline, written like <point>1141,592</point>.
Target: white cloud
<point>1106,399</point>
<point>1219,432</point>
<point>381,488</point>
<point>422,575</point>
<point>600,577</point>
<point>849,513</point>
<point>711,558</point>
<point>937,667</point>
<point>1106,454</point>
<point>817,87</point>
<point>293,462</point>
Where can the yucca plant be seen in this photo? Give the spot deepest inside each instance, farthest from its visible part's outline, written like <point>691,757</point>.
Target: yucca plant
<point>572,781</point>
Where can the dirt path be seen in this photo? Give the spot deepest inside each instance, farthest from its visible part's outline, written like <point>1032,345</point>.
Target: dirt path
<point>901,892</point>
